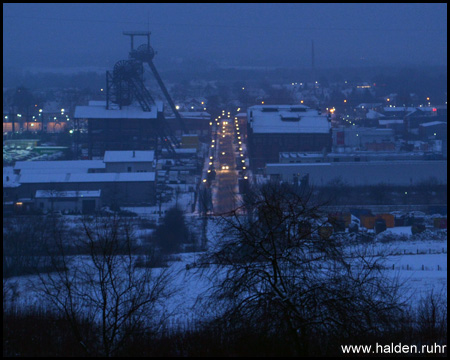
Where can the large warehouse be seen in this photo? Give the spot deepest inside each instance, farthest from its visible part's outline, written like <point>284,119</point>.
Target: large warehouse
<point>126,128</point>
<point>122,178</point>
<point>276,128</point>
<point>405,172</point>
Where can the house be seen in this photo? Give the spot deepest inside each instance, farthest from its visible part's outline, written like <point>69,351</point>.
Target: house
<point>433,130</point>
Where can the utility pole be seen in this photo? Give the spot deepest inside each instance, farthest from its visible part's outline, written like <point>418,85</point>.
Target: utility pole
<point>313,67</point>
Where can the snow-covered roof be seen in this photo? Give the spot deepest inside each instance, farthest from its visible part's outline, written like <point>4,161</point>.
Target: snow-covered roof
<point>73,166</point>
<point>86,178</point>
<point>371,114</point>
<point>45,194</point>
<point>390,121</point>
<point>368,105</point>
<point>97,110</point>
<point>399,108</point>
<point>194,115</point>
<point>129,156</point>
<point>287,119</point>
<point>433,123</point>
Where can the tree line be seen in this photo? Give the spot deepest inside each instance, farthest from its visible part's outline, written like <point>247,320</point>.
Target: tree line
<point>278,288</point>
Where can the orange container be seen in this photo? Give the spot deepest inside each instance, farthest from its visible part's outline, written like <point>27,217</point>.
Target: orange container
<point>388,218</point>
<point>368,221</point>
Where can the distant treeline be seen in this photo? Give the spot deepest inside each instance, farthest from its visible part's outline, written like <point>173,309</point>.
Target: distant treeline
<point>429,80</point>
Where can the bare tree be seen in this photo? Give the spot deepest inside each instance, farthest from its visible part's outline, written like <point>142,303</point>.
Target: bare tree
<point>277,271</point>
<point>105,288</point>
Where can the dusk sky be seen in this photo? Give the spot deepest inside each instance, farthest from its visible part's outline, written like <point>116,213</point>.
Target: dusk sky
<point>277,35</point>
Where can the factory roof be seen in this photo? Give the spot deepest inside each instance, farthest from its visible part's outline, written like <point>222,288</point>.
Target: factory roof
<point>73,166</point>
<point>97,110</point>
<point>390,121</point>
<point>433,123</point>
<point>287,119</point>
<point>86,178</point>
<point>129,156</point>
<point>45,194</point>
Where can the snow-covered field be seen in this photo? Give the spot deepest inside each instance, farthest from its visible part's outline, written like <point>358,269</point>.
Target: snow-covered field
<point>421,264</point>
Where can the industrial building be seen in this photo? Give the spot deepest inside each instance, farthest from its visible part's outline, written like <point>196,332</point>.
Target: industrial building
<point>276,128</point>
<point>362,138</point>
<point>359,156</point>
<point>433,130</point>
<point>85,202</point>
<point>122,178</point>
<point>195,122</point>
<point>127,128</point>
<point>406,172</point>
<point>130,118</point>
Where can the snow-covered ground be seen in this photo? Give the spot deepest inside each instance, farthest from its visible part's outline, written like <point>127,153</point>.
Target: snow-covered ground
<point>421,264</point>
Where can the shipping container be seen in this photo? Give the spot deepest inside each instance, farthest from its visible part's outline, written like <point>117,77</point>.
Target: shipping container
<point>380,225</point>
<point>388,218</point>
<point>360,212</point>
<point>399,221</point>
<point>368,221</point>
<point>440,223</point>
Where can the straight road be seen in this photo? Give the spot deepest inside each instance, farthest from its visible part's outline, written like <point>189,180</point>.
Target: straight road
<point>226,174</point>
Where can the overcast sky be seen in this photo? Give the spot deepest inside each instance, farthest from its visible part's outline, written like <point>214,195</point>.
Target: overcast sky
<point>80,35</point>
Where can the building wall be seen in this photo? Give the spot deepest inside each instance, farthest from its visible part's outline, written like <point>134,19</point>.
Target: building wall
<point>265,148</point>
<point>438,131</point>
<point>358,137</point>
<point>121,167</point>
<point>120,134</point>
<point>59,204</point>
<point>133,192</point>
<point>360,173</point>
